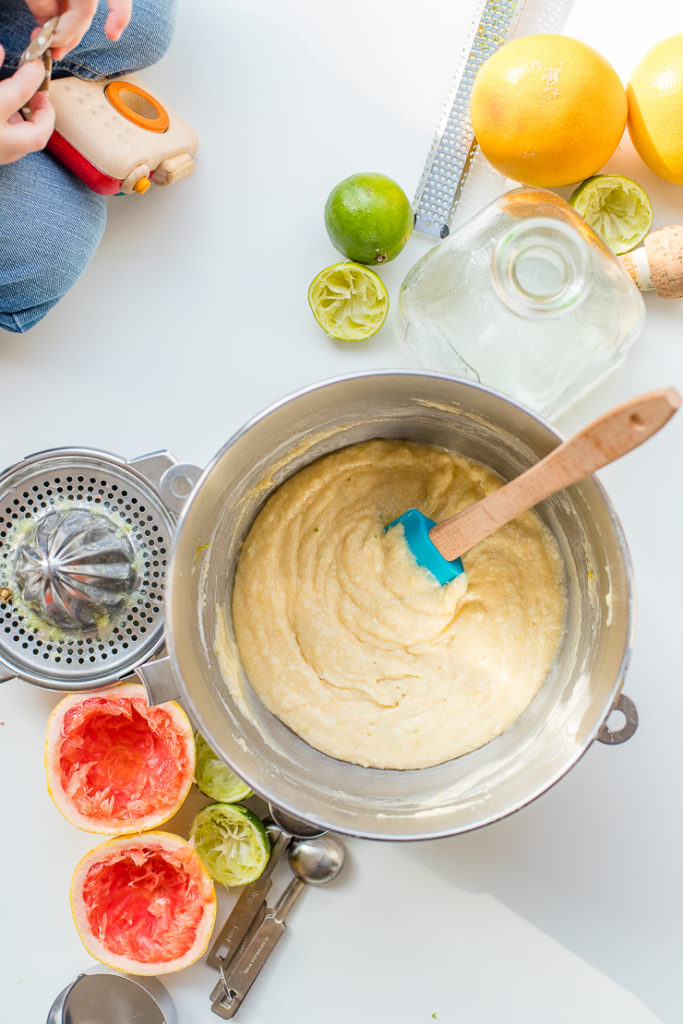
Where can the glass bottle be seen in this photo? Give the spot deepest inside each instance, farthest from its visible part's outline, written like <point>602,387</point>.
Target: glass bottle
<point>524,298</point>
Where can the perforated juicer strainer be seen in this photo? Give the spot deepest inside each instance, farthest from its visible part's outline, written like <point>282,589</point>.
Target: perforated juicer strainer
<point>84,541</point>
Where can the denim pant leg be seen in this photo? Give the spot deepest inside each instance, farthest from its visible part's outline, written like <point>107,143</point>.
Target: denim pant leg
<point>50,222</point>
<point>50,226</point>
<point>144,42</point>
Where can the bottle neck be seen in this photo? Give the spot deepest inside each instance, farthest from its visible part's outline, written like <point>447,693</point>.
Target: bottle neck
<point>540,268</point>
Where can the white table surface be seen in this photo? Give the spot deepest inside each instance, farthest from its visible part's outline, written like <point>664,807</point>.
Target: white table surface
<point>193,317</point>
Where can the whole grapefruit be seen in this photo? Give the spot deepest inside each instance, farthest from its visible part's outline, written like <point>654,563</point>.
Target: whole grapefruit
<point>547,110</point>
<point>655,109</point>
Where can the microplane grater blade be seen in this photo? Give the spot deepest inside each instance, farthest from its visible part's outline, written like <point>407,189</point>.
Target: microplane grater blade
<point>454,146</point>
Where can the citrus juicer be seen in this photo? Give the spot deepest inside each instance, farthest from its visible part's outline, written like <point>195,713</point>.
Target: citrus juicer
<point>74,567</point>
<point>438,546</point>
<point>84,540</point>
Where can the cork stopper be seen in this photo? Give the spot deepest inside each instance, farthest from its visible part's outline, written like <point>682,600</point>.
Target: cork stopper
<point>637,265</point>
<point>664,249</point>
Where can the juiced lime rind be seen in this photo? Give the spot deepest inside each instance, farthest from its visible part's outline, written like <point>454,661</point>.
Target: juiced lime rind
<point>368,218</point>
<point>617,209</point>
<point>232,842</point>
<point>349,301</point>
<point>213,777</point>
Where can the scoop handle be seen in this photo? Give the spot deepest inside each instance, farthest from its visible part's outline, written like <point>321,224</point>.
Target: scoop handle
<point>601,442</point>
<point>230,993</point>
<point>250,903</point>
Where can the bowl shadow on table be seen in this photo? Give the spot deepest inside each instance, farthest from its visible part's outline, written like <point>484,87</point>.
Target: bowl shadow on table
<point>528,848</point>
<point>561,863</point>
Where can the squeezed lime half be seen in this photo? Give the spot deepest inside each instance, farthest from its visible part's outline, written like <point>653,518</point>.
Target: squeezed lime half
<point>232,842</point>
<point>617,209</point>
<point>214,778</point>
<point>349,301</point>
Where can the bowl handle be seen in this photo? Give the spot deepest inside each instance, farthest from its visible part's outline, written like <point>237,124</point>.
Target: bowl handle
<point>630,713</point>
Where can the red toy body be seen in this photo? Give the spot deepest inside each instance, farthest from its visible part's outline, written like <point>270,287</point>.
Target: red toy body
<point>93,177</point>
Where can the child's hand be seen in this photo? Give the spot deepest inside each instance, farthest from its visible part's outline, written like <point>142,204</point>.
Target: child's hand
<point>75,18</point>
<point>19,137</point>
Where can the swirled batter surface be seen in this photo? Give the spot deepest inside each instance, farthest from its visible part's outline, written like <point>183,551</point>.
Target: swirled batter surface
<point>361,651</point>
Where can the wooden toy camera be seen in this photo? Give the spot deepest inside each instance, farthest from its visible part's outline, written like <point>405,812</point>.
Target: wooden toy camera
<point>116,137</point>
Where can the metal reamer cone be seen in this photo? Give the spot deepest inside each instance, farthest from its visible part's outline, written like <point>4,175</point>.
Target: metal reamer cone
<point>74,568</point>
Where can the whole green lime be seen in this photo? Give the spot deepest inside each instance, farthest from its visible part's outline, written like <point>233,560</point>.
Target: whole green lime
<point>368,218</point>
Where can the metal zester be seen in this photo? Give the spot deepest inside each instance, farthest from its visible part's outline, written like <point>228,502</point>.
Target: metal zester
<point>453,150</point>
<point>84,540</point>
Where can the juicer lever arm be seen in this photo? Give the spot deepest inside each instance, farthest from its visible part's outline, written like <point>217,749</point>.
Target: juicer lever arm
<point>601,442</point>
<point>159,680</point>
<point>174,480</point>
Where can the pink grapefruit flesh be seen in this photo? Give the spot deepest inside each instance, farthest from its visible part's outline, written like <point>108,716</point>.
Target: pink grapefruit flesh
<point>115,765</point>
<point>144,904</point>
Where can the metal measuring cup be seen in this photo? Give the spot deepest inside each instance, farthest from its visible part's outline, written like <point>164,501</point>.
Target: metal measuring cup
<point>101,996</point>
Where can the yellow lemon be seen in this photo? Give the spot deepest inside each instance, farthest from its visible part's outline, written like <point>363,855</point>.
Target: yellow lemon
<point>547,110</point>
<point>655,108</point>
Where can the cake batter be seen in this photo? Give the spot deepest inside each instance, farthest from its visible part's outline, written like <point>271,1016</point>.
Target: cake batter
<point>359,649</point>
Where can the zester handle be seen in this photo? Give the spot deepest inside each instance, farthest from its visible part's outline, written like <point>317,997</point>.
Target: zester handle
<point>252,957</point>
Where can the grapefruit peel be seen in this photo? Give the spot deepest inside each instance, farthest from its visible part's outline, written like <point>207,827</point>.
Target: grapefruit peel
<point>144,904</point>
<point>116,766</point>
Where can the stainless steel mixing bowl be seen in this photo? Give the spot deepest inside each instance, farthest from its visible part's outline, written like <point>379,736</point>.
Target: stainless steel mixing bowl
<point>459,795</point>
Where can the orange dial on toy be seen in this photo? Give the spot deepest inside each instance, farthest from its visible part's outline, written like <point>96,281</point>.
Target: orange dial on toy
<point>136,105</point>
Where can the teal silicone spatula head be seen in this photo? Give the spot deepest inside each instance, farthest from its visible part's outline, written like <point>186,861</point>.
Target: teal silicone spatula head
<point>439,546</point>
<point>416,527</point>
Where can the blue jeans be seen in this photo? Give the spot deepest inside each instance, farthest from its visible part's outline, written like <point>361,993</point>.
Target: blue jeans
<point>50,222</point>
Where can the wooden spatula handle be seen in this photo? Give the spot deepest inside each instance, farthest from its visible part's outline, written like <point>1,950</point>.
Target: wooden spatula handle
<point>598,444</point>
